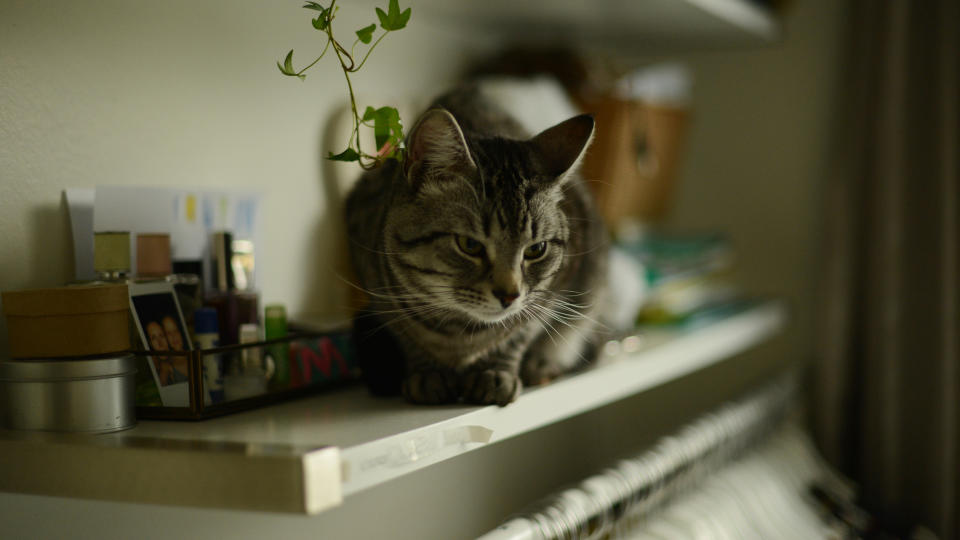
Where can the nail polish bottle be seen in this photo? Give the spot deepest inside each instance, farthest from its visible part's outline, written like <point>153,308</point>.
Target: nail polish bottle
<point>207,336</point>
<point>235,306</point>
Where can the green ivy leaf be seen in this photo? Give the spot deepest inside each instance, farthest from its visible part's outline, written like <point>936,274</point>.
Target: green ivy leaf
<point>347,155</point>
<point>366,34</point>
<point>393,19</point>
<point>322,20</point>
<point>287,67</point>
<point>369,114</point>
<point>403,18</point>
<point>386,127</point>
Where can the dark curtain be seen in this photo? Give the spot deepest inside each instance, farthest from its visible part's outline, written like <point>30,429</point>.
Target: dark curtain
<point>887,380</point>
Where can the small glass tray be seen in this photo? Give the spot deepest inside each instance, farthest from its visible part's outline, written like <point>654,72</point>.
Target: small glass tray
<point>204,383</point>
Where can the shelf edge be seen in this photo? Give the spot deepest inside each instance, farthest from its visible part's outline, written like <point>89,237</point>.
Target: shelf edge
<point>203,474</point>
<point>372,463</point>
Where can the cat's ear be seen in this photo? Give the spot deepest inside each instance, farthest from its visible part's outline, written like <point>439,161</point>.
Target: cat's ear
<point>436,142</point>
<point>562,147</point>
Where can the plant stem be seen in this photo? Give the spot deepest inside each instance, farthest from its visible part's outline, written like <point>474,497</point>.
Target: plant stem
<point>348,64</point>
<point>341,52</point>
<point>325,47</point>
<point>370,50</point>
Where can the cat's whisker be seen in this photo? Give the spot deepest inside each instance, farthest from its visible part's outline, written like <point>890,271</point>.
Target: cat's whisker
<point>592,250</point>
<point>559,295</point>
<point>372,292</point>
<point>569,292</point>
<point>406,296</point>
<point>547,327</point>
<point>408,314</point>
<point>420,307</point>
<point>370,249</point>
<point>471,211</point>
<point>601,182</point>
<point>546,315</point>
<point>547,319</point>
<point>443,321</point>
<point>472,191</point>
<point>576,311</point>
<point>567,312</point>
<point>566,321</point>
<point>572,307</point>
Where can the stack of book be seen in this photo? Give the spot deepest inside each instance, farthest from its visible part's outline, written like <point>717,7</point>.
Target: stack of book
<point>688,276</point>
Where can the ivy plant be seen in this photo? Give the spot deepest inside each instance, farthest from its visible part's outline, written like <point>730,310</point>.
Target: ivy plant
<point>385,121</point>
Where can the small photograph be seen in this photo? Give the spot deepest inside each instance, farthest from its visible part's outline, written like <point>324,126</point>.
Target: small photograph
<point>161,326</point>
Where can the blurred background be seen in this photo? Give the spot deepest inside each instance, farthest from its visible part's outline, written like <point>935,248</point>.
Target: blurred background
<point>817,138</point>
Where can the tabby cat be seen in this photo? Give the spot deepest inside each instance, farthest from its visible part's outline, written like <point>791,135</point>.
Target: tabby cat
<point>481,254</point>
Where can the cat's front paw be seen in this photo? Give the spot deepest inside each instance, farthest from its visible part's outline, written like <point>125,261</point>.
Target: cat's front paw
<point>491,386</point>
<point>430,387</point>
<point>537,369</point>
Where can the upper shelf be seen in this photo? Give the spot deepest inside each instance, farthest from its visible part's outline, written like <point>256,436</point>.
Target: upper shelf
<point>629,26</point>
<point>306,455</point>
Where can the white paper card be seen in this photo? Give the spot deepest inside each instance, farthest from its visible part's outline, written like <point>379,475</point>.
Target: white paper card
<point>80,206</point>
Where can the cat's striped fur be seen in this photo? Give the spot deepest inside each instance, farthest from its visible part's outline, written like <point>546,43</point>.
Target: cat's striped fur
<point>482,255</point>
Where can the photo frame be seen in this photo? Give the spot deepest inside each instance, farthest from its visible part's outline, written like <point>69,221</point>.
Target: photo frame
<point>160,323</point>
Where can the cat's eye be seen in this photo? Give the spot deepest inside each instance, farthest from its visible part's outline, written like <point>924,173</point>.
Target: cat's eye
<point>535,251</point>
<point>469,246</point>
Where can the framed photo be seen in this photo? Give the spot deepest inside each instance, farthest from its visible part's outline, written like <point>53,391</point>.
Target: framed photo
<point>161,326</point>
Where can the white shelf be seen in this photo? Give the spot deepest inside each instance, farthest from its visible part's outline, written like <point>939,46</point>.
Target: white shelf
<point>629,25</point>
<point>306,455</point>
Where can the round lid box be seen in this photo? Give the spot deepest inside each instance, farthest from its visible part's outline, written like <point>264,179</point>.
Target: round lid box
<point>68,321</point>
<point>92,395</point>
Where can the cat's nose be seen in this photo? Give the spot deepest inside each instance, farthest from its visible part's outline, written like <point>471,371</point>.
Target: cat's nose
<point>505,297</point>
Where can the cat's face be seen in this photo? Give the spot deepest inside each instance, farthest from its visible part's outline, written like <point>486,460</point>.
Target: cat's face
<point>480,231</point>
<point>481,256</point>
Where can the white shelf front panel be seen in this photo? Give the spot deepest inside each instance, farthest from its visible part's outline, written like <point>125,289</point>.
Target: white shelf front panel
<point>659,357</point>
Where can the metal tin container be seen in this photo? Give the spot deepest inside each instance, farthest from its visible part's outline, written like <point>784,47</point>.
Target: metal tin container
<point>69,395</point>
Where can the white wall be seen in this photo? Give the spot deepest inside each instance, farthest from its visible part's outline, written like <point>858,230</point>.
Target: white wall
<point>757,157</point>
<point>183,93</point>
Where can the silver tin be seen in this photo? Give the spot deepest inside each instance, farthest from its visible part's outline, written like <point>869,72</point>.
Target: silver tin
<point>91,396</point>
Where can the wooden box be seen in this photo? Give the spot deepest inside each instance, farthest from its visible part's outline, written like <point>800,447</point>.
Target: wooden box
<point>78,320</point>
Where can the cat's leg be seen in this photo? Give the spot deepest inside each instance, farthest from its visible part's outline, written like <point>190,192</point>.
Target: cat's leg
<point>559,350</point>
<point>392,366</point>
<point>493,380</point>
<point>426,380</point>
<point>495,377</point>
<point>430,384</point>
<point>378,354</point>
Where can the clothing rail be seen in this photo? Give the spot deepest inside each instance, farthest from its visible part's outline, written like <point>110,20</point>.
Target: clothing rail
<point>637,486</point>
